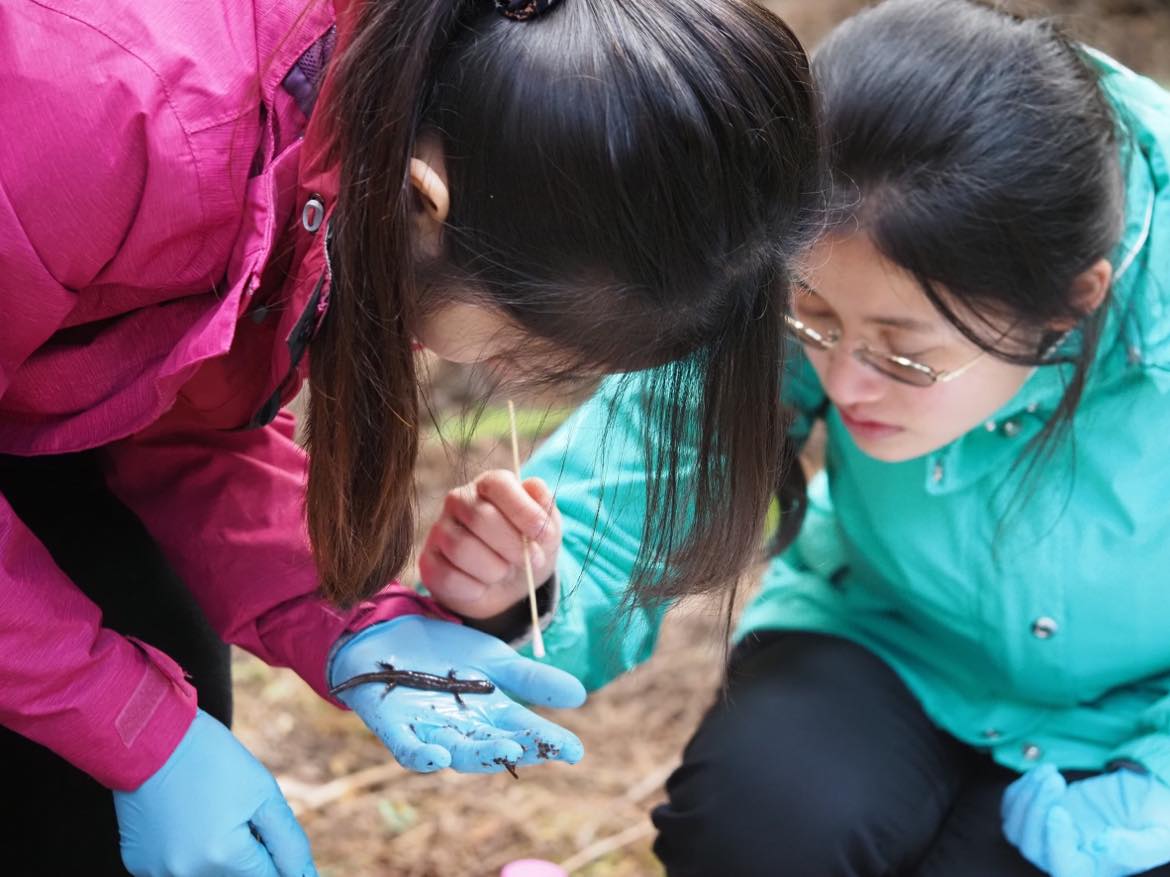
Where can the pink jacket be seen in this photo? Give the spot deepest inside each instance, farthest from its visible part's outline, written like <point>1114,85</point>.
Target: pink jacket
<point>148,176</point>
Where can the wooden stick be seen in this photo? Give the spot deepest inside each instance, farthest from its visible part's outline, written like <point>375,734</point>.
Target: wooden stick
<point>537,639</point>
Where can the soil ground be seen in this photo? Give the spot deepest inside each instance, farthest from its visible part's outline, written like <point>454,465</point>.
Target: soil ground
<point>367,818</point>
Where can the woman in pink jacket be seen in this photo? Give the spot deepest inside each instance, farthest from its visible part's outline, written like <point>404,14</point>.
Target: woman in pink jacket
<point>202,203</point>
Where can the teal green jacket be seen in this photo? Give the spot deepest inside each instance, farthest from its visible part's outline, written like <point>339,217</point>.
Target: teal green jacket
<point>1030,617</point>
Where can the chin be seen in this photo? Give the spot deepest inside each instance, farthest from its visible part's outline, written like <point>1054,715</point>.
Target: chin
<point>885,455</point>
<point>894,451</point>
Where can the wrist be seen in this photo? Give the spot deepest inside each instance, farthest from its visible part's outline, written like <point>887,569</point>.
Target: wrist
<point>515,623</point>
<point>128,739</point>
<point>1126,764</point>
<point>351,640</point>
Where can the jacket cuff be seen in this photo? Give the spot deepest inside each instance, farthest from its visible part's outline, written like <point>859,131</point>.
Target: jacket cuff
<point>548,598</point>
<point>137,708</point>
<point>155,718</point>
<point>1151,751</point>
<point>305,634</point>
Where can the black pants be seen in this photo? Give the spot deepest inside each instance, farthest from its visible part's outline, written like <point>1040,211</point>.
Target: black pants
<point>54,819</point>
<point>820,763</point>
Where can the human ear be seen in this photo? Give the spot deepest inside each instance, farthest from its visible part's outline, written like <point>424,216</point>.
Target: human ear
<point>432,204</point>
<point>1092,286</point>
<point>1089,290</point>
<point>432,201</point>
<point>429,185</point>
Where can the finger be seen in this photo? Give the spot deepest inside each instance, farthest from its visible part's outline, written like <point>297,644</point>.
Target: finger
<point>539,491</point>
<point>534,682</point>
<point>1135,850</point>
<point>1018,798</point>
<point>489,524</point>
<point>468,553</point>
<point>541,739</point>
<point>1050,788</point>
<point>1066,858</point>
<point>241,853</point>
<point>1019,794</point>
<point>488,751</point>
<point>284,838</point>
<point>446,582</point>
<point>411,752</point>
<point>503,490</point>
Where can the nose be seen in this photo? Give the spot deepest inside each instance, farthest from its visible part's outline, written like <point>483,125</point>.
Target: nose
<point>848,382</point>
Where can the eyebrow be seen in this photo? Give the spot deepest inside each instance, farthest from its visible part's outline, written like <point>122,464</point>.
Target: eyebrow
<point>906,323</point>
<point>900,323</point>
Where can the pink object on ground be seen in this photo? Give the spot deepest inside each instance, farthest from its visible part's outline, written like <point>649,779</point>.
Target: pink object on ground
<point>533,868</point>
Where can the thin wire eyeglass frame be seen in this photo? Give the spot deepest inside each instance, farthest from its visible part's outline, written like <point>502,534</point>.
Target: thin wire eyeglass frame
<point>919,374</point>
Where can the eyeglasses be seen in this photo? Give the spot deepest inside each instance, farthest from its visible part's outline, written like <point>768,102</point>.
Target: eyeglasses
<point>897,368</point>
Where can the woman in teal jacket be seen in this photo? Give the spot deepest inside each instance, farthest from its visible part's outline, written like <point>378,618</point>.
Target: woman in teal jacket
<point>981,586</point>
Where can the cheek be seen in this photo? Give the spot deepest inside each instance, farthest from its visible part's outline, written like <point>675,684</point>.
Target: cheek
<point>462,333</point>
<point>930,419</point>
<point>850,384</point>
<point>946,412</point>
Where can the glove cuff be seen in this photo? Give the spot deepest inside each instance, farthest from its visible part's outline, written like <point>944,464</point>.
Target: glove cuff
<point>348,639</point>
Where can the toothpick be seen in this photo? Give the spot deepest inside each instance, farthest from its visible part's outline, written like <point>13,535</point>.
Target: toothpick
<point>537,639</point>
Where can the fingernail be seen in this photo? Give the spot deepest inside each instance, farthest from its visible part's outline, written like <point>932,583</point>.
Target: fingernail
<point>541,488</point>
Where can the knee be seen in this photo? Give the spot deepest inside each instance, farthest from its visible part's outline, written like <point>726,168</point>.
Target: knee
<point>744,810</point>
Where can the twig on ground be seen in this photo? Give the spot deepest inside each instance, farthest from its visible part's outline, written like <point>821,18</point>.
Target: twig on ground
<point>650,783</point>
<point>303,797</point>
<point>605,846</point>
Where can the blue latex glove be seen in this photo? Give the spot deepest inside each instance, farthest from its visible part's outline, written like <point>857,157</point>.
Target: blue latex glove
<point>1111,825</point>
<point>211,809</point>
<point>474,733</point>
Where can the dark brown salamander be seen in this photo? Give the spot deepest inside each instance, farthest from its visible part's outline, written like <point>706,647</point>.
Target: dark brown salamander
<point>392,678</point>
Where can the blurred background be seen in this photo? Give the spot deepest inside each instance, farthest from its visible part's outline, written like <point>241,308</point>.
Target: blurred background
<point>366,816</point>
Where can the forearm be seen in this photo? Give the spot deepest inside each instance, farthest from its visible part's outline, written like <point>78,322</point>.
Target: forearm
<point>112,707</point>
<point>227,509</point>
<point>593,632</point>
<point>1151,749</point>
<point>596,465</point>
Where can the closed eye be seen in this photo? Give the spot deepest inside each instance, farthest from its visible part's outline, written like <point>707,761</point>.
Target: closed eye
<point>917,355</point>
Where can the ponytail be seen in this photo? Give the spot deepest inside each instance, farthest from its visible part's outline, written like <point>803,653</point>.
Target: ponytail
<point>363,411</point>
<point>723,406</point>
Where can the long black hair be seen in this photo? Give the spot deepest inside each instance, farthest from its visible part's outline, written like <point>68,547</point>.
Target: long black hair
<point>630,180</point>
<point>978,151</point>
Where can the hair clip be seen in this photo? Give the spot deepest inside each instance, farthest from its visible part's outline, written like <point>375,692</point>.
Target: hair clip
<point>522,10</point>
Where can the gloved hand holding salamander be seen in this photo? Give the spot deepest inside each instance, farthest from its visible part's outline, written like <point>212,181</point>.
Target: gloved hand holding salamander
<point>450,709</point>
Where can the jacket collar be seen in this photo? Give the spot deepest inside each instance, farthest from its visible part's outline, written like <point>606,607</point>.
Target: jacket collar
<point>284,31</point>
<point>1136,333</point>
<point>1134,310</point>
<point>318,176</point>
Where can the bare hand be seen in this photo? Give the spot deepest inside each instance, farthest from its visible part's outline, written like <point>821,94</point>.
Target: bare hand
<point>473,559</point>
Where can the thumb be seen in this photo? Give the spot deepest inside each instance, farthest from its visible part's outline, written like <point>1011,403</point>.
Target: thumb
<point>1136,850</point>
<point>241,853</point>
<point>284,838</point>
<point>536,683</point>
<point>1065,856</point>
